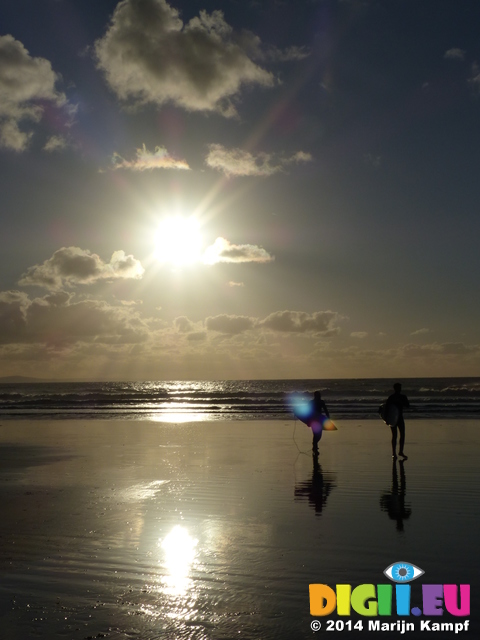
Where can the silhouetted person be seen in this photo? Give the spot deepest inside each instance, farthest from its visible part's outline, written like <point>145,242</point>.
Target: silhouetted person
<point>317,490</point>
<point>400,401</point>
<point>319,410</point>
<point>394,502</point>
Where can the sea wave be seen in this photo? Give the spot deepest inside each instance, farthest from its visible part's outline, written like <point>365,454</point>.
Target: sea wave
<point>242,399</point>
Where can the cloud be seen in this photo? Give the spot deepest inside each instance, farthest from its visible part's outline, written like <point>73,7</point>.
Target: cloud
<point>147,160</point>
<point>359,334</point>
<point>56,143</point>
<point>197,336</point>
<point>474,79</point>
<point>223,251</point>
<point>71,265</point>
<point>458,348</point>
<point>183,324</point>
<point>23,82</point>
<point>443,349</point>
<point>229,324</point>
<point>253,46</point>
<point>455,54</point>
<point>372,160</point>
<point>236,284</point>
<point>420,332</point>
<point>324,323</point>
<point>148,55</point>
<point>321,322</point>
<point>237,162</point>
<point>56,320</point>
<point>290,53</point>
<point>60,334</point>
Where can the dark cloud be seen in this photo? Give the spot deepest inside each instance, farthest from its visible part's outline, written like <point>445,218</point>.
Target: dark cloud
<point>71,265</point>
<point>320,322</point>
<point>12,315</point>
<point>149,56</point>
<point>197,336</point>
<point>474,79</point>
<point>443,349</point>
<point>183,324</point>
<point>56,320</point>
<point>229,324</point>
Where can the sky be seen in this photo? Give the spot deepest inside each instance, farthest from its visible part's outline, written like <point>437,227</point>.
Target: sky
<point>239,189</point>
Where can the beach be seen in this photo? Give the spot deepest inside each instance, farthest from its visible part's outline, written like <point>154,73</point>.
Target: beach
<point>148,529</point>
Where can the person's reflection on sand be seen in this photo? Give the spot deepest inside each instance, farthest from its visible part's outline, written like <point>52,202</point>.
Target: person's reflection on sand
<point>316,490</point>
<point>394,501</point>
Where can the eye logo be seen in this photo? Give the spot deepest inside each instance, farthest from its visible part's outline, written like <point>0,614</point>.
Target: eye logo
<point>403,572</point>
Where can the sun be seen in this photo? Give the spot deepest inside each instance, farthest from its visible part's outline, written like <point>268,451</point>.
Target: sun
<point>178,241</point>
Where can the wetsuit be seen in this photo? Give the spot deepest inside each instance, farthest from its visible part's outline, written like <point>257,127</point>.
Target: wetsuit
<point>400,401</point>
<point>318,408</point>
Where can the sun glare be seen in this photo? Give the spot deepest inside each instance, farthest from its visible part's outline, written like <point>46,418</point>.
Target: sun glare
<point>178,241</point>
<point>180,549</point>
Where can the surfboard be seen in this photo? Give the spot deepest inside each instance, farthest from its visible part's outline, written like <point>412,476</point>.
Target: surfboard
<point>302,408</point>
<point>327,424</point>
<point>390,414</point>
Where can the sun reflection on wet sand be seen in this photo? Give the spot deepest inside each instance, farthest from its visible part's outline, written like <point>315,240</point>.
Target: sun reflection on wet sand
<point>180,417</point>
<point>180,550</point>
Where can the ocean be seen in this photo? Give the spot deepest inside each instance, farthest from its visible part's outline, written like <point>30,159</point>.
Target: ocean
<point>180,401</point>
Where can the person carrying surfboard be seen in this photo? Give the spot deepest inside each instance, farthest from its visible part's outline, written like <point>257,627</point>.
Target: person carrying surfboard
<point>395,404</point>
<point>319,409</point>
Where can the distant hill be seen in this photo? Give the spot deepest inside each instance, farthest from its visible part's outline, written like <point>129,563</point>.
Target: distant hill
<point>17,379</point>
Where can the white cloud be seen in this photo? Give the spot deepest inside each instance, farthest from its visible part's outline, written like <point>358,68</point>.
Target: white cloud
<point>147,160</point>
<point>237,162</point>
<point>56,143</point>
<point>455,54</point>
<point>236,284</point>
<point>23,81</point>
<point>359,334</point>
<point>420,331</point>
<point>71,265</point>
<point>149,55</point>
<point>224,251</point>
<point>12,137</point>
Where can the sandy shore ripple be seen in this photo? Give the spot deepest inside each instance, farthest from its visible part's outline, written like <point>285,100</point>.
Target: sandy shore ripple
<point>214,530</point>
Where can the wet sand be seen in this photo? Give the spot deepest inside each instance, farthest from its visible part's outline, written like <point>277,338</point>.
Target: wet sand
<point>214,530</point>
